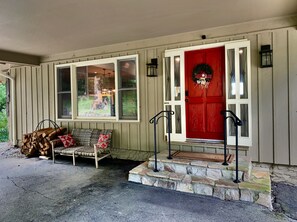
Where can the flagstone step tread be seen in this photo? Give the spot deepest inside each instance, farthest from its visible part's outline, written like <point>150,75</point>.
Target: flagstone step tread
<point>214,157</point>
<point>211,169</point>
<point>257,190</point>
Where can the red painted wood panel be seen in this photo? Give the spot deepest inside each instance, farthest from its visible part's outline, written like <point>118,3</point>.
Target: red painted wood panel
<point>203,105</point>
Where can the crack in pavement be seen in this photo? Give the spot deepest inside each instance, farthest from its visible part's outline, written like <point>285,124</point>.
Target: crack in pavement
<point>27,190</point>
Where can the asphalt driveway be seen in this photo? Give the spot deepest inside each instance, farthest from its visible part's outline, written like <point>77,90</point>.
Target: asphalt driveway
<point>38,190</point>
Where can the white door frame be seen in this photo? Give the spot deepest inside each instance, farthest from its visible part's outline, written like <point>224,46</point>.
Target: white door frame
<point>180,52</point>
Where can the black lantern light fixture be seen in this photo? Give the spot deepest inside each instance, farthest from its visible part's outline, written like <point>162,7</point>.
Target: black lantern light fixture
<point>266,56</point>
<point>152,68</point>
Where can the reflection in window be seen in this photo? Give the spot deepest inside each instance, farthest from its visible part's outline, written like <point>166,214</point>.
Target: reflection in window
<point>167,79</point>
<point>96,90</point>
<point>127,89</point>
<point>64,93</point>
<point>243,73</point>
<point>231,73</point>
<point>245,120</point>
<point>231,107</point>
<point>177,119</point>
<point>177,77</point>
<point>168,108</point>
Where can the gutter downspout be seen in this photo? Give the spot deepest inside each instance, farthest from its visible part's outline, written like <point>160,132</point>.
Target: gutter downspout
<point>13,105</point>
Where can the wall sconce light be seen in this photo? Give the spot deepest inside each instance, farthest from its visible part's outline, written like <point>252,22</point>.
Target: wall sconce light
<point>152,68</point>
<point>266,56</point>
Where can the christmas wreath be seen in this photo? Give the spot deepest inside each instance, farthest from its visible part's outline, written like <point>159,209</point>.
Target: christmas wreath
<point>202,74</point>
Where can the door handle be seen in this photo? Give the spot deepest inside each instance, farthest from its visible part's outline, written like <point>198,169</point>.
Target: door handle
<point>186,100</point>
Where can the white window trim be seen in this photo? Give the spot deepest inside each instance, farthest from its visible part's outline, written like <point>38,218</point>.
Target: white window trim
<point>73,67</point>
<point>180,52</point>
<point>242,141</point>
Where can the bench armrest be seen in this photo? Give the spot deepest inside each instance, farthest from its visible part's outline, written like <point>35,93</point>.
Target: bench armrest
<point>56,143</point>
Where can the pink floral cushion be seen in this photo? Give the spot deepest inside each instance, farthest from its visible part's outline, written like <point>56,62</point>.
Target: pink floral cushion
<point>103,141</point>
<point>67,140</point>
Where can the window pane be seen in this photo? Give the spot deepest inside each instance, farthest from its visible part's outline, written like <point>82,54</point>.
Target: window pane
<point>231,73</point>
<point>231,107</point>
<point>64,93</point>
<point>243,73</point>
<point>64,105</point>
<point>128,104</point>
<point>127,71</point>
<point>245,120</point>
<point>177,115</point>
<point>96,90</point>
<point>177,77</point>
<point>127,89</point>
<point>168,108</point>
<point>167,79</point>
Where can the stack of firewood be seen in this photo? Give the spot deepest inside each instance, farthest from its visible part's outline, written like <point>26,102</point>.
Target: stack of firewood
<point>38,143</point>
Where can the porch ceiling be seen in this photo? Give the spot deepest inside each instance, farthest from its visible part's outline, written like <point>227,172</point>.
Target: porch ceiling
<point>40,28</point>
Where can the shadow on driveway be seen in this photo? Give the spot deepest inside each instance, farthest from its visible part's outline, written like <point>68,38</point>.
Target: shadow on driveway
<point>38,190</point>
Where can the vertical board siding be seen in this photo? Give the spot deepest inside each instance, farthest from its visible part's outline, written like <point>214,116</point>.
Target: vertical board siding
<point>45,88</point>
<point>265,106</point>
<point>151,98</point>
<point>274,104</point>
<point>34,97</point>
<point>29,110</point>
<point>19,118</point>
<point>254,93</point>
<point>39,90</point>
<point>292,53</point>
<point>280,97</point>
<point>23,100</point>
<point>143,102</point>
<point>51,92</point>
<point>133,136</point>
<point>125,133</point>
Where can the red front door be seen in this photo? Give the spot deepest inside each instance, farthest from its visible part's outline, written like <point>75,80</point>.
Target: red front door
<point>203,105</point>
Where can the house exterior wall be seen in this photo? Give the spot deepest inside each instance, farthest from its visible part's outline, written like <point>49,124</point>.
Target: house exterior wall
<point>274,106</point>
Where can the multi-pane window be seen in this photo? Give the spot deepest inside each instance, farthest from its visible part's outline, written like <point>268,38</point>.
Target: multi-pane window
<point>95,90</point>
<point>101,89</point>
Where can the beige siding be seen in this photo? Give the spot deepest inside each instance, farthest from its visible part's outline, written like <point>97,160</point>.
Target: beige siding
<point>280,97</point>
<point>254,150</point>
<point>292,49</point>
<point>265,106</point>
<point>274,106</point>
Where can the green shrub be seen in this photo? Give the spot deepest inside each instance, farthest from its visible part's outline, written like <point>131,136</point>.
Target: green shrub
<point>3,134</point>
<point>3,117</point>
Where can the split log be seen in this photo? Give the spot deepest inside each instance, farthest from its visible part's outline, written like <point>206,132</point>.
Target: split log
<point>39,142</point>
<point>56,133</point>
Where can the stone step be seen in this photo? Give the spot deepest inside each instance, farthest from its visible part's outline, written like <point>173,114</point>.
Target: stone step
<point>213,170</point>
<point>257,189</point>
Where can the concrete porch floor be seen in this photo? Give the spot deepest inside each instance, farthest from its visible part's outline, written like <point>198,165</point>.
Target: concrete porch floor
<point>37,190</point>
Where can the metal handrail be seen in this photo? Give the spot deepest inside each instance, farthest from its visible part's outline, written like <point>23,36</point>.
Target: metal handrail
<point>155,121</point>
<point>237,122</point>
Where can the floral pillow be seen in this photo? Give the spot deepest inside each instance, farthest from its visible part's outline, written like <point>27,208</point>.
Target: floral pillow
<point>67,140</point>
<point>103,141</point>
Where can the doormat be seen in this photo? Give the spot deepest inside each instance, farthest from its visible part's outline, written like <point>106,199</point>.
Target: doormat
<point>211,157</point>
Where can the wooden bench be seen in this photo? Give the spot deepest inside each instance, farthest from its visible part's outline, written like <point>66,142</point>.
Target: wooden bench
<point>86,145</point>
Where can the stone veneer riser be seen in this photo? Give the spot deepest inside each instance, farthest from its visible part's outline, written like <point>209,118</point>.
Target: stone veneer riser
<point>220,188</point>
<point>203,168</point>
<point>207,178</point>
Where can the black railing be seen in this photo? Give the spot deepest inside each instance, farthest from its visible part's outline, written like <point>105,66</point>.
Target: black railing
<point>154,121</point>
<point>228,114</point>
